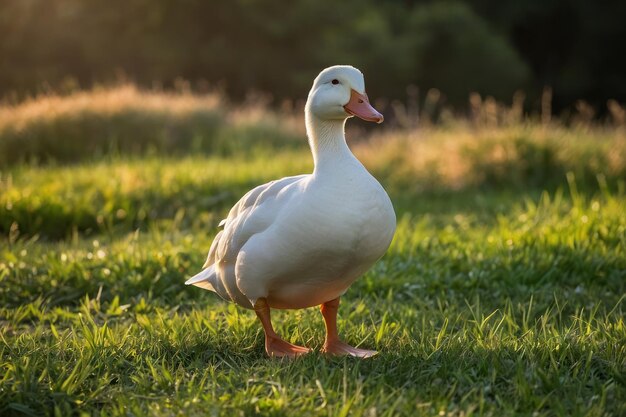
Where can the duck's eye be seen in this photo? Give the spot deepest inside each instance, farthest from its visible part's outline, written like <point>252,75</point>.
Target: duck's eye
<point>335,81</point>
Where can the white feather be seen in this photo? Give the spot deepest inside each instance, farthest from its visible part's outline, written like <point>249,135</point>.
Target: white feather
<point>202,279</point>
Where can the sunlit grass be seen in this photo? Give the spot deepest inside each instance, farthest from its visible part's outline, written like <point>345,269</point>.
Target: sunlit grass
<point>517,155</point>
<point>58,201</point>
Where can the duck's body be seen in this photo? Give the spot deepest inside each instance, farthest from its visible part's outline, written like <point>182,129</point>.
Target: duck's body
<point>302,241</point>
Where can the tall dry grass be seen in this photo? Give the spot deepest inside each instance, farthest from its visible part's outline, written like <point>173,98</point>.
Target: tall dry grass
<point>431,148</point>
<point>522,155</point>
<point>424,146</point>
<point>125,120</point>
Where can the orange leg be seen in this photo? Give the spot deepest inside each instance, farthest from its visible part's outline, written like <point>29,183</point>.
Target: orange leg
<point>333,345</point>
<point>274,345</point>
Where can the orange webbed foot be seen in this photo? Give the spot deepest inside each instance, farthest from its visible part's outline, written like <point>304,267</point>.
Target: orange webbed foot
<point>333,345</point>
<point>278,348</point>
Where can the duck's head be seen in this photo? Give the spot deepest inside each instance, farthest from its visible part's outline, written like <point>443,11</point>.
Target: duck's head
<point>338,93</point>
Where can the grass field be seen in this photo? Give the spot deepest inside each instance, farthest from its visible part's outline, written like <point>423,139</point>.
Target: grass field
<point>502,293</point>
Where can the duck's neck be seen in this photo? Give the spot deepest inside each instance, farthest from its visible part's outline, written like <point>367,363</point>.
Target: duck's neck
<point>328,143</point>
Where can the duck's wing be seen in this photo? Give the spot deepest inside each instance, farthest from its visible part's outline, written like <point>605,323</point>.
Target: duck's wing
<point>252,214</point>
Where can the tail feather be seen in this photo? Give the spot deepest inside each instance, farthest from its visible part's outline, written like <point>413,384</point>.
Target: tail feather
<point>203,279</point>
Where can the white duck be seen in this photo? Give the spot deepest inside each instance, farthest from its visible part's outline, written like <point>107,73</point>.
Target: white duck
<point>301,241</point>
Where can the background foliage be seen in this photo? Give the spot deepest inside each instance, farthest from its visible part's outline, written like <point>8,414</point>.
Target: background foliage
<point>493,47</point>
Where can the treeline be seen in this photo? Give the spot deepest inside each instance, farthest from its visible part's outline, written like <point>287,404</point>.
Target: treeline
<point>491,46</point>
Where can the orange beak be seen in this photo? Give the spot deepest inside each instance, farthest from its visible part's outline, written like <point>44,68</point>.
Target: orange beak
<point>359,106</point>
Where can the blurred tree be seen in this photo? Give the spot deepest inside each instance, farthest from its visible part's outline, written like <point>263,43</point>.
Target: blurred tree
<point>490,46</point>
<point>455,50</point>
<point>571,45</point>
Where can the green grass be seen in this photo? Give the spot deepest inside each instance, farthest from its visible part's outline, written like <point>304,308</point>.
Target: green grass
<point>58,202</point>
<point>491,300</point>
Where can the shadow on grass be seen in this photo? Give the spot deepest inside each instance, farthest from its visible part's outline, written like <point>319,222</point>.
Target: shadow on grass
<point>525,379</point>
